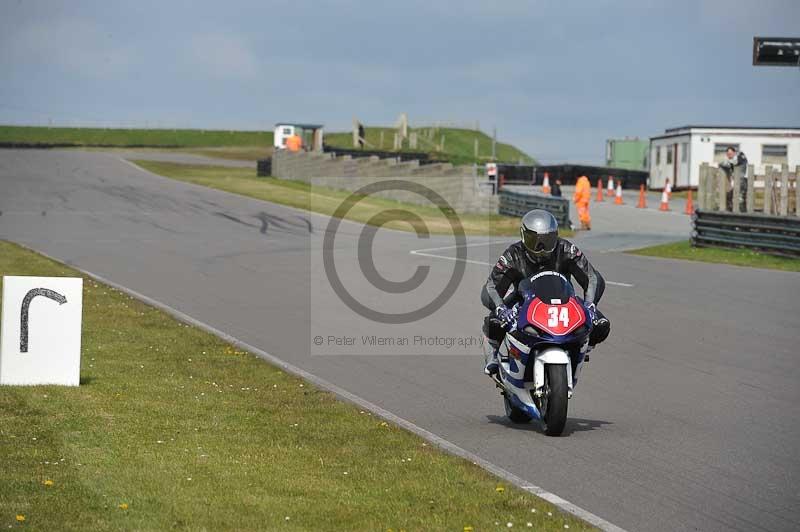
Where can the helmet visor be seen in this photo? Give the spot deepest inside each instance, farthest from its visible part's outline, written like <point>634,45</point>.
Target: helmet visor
<point>539,244</point>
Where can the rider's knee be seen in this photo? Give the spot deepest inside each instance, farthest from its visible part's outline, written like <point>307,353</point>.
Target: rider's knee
<point>600,330</point>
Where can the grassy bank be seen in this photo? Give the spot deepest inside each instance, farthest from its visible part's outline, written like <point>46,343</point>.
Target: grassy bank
<point>173,428</point>
<point>458,147</point>
<point>134,137</point>
<point>736,257</point>
<point>325,200</point>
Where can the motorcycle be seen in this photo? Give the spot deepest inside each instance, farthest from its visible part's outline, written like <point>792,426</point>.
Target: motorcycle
<point>544,349</point>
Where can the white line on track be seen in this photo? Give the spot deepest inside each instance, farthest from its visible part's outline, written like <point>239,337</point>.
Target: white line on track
<point>422,253</point>
<point>440,442</point>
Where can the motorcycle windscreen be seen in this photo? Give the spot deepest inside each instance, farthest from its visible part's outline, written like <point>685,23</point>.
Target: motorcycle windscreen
<point>554,309</point>
<point>548,286</point>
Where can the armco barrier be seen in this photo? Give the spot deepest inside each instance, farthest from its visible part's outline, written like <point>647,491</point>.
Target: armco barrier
<point>778,235</point>
<point>513,203</point>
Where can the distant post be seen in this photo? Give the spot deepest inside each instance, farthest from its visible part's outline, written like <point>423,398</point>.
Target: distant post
<point>702,187</point>
<point>768,191</point>
<point>722,182</point>
<point>750,200</point>
<point>476,147</point>
<point>797,190</point>
<point>784,190</point>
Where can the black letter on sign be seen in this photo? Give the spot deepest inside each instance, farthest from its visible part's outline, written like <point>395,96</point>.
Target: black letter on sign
<point>26,303</point>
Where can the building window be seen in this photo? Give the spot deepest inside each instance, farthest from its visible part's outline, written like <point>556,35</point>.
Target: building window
<point>719,151</point>
<point>658,155</point>
<point>669,154</point>
<point>684,151</point>
<point>774,154</point>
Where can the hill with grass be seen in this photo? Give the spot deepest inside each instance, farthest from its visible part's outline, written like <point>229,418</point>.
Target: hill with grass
<point>167,138</point>
<point>447,144</point>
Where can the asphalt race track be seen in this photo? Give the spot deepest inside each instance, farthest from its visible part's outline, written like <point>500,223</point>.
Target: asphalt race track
<point>685,419</point>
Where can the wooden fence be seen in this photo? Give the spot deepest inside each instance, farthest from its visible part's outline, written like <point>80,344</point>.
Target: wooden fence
<point>775,193</point>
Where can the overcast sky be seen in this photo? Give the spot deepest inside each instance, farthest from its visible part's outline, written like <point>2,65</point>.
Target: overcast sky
<point>555,78</point>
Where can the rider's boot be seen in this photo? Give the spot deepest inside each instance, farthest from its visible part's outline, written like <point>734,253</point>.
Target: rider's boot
<point>492,358</point>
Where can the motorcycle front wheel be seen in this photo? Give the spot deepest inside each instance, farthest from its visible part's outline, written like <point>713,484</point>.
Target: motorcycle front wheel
<point>555,412</point>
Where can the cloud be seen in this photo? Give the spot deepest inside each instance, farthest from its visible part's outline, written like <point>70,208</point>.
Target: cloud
<point>73,45</point>
<point>222,56</point>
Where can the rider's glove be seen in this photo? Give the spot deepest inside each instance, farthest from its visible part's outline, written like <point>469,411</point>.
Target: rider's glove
<point>504,314</point>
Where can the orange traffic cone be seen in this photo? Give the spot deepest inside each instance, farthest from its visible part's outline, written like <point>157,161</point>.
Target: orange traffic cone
<point>664,201</point>
<point>642,200</point>
<point>689,205</point>
<point>546,184</point>
<point>618,199</point>
<point>610,189</point>
<point>600,189</point>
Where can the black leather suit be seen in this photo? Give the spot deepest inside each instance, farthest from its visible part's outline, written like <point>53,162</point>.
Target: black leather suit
<point>515,264</point>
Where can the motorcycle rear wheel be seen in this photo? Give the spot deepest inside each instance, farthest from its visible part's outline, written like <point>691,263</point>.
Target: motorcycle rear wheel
<point>555,414</point>
<point>515,414</point>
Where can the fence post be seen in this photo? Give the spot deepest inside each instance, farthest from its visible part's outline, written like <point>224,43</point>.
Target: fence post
<point>441,146</point>
<point>768,190</point>
<point>797,190</point>
<point>381,147</point>
<point>784,190</point>
<point>751,198</point>
<point>702,187</point>
<point>738,172</point>
<point>722,183</point>
<point>476,147</point>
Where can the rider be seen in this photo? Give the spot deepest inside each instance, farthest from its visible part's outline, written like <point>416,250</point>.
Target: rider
<point>539,249</point>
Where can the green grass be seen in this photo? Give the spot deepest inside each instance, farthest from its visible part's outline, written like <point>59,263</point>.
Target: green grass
<point>459,144</point>
<point>325,200</point>
<point>736,257</point>
<point>172,428</point>
<point>134,137</point>
<point>458,147</point>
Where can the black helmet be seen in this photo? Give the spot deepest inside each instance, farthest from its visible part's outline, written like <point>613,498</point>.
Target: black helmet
<point>539,233</point>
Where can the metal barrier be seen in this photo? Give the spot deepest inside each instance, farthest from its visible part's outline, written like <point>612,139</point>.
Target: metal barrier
<point>514,203</point>
<point>777,235</point>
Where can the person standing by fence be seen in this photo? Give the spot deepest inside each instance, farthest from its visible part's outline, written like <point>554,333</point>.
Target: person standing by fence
<point>583,193</point>
<point>555,190</point>
<point>731,161</point>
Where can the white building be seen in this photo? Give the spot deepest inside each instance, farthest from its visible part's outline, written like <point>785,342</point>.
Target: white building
<point>678,153</point>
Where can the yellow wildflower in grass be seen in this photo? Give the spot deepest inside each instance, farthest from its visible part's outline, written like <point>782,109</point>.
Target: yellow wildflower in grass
<point>48,482</point>
<point>20,518</point>
<point>468,528</point>
<point>500,489</point>
<point>123,506</point>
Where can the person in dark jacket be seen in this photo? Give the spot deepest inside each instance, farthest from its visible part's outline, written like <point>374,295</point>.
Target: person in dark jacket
<point>539,249</point>
<point>728,165</point>
<point>556,189</point>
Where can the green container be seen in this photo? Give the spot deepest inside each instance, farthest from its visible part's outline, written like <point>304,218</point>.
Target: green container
<point>630,154</point>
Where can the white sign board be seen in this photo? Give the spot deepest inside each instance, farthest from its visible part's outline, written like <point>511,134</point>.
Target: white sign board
<point>40,336</point>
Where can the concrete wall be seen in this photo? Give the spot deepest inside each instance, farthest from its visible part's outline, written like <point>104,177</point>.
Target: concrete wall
<point>457,185</point>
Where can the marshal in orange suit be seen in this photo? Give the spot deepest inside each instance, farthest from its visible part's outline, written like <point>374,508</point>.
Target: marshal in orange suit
<point>583,193</point>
